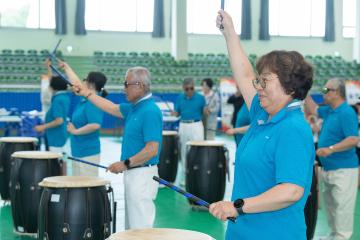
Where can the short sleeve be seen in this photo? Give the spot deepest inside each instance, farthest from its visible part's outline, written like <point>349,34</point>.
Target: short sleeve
<point>293,161</point>
<point>202,101</point>
<point>125,109</point>
<point>255,107</point>
<point>152,126</point>
<point>350,126</point>
<point>93,114</point>
<point>177,104</point>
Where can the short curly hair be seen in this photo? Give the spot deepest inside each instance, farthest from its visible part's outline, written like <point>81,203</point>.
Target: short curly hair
<point>294,72</point>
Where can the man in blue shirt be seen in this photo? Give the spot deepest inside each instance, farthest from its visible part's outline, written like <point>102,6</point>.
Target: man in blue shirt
<point>336,149</point>
<point>190,107</point>
<point>141,145</point>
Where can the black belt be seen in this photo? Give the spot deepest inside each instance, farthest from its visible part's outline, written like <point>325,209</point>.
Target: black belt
<point>141,166</point>
<point>189,121</point>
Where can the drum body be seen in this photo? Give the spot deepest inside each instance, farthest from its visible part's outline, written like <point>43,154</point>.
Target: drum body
<point>169,155</point>
<point>160,234</point>
<point>9,145</point>
<point>311,207</point>
<point>28,169</point>
<point>74,212</point>
<point>206,167</point>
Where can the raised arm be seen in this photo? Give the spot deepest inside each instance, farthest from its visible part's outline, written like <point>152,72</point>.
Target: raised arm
<point>240,65</point>
<point>310,105</point>
<point>73,77</point>
<point>102,103</point>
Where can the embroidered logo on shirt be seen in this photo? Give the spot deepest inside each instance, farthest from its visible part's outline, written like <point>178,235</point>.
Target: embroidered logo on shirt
<point>260,122</point>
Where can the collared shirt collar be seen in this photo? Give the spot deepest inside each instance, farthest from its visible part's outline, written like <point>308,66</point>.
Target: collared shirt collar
<point>338,108</point>
<point>147,96</point>
<point>295,104</point>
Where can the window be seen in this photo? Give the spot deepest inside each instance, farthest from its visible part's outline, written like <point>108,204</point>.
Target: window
<point>297,18</point>
<point>201,15</point>
<point>349,18</point>
<point>27,13</point>
<point>119,15</point>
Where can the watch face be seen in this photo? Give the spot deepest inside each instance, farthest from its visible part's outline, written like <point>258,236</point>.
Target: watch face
<point>239,203</point>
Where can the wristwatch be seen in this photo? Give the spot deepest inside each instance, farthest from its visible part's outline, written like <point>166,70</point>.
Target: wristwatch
<point>238,204</point>
<point>331,148</point>
<point>127,163</point>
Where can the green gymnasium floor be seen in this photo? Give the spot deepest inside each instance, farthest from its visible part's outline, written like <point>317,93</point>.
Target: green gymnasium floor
<point>173,210</point>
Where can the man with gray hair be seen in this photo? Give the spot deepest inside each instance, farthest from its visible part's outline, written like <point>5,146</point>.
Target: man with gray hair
<point>140,146</point>
<point>190,107</point>
<point>336,150</point>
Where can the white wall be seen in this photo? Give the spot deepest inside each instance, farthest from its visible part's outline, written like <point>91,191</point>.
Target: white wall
<point>111,41</point>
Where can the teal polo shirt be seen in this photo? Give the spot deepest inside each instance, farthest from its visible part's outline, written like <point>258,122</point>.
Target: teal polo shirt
<point>280,150</point>
<point>59,108</point>
<point>143,124</point>
<point>338,124</point>
<point>242,119</point>
<point>87,144</point>
<point>190,108</point>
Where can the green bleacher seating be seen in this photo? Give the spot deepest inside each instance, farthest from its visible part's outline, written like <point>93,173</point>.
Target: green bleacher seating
<point>109,54</point>
<point>6,52</point>
<point>19,52</point>
<point>32,52</point>
<point>98,54</point>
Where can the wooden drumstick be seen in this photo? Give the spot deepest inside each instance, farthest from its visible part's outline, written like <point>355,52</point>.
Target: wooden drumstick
<point>187,195</point>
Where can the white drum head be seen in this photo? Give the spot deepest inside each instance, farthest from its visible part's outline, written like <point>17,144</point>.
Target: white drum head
<point>36,155</point>
<point>18,139</point>
<point>169,133</point>
<point>159,234</point>
<point>73,182</point>
<point>206,143</point>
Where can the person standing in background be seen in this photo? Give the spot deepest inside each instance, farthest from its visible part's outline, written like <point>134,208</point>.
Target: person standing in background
<point>55,118</point>
<point>211,110</point>
<point>86,123</point>
<point>336,150</point>
<point>241,125</point>
<point>237,101</point>
<point>190,107</point>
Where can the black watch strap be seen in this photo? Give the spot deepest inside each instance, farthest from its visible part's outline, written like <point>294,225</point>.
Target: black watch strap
<point>127,163</point>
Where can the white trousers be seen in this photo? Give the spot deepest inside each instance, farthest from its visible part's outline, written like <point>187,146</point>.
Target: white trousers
<point>188,132</point>
<point>339,193</point>
<point>140,193</point>
<point>82,169</point>
<point>211,127</point>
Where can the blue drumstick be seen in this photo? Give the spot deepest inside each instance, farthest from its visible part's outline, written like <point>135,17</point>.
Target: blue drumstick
<point>86,162</point>
<point>186,194</point>
<point>60,75</point>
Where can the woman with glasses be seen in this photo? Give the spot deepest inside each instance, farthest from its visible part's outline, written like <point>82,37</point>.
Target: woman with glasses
<point>86,123</point>
<point>274,160</point>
